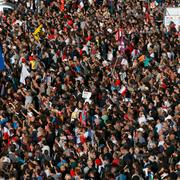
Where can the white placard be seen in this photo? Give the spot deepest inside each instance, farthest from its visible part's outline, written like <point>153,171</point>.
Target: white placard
<point>173,11</point>
<point>86,95</point>
<point>175,19</point>
<point>172,14</point>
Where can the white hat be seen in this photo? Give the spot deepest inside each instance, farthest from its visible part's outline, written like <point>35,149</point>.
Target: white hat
<point>109,30</point>
<point>140,130</point>
<point>66,68</point>
<point>30,114</point>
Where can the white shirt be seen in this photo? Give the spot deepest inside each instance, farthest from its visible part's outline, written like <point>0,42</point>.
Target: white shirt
<point>110,56</point>
<point>90,1</point>
<point>85,48</point>
<point>159,127</point>
<point>142,119</point>
<point>160,143</point>
<point>124,62</point>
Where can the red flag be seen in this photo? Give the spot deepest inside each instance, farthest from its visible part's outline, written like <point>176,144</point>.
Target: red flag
<point>72,173</point>
<point>82,139</point>
<point>117,82</point>
<point>118,34</point>
<point>83,117</point>
<point>6,133</point>
<point>62,5</point>
<point>123,90</point>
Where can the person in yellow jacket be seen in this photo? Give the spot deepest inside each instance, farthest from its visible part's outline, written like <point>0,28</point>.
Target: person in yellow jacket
<point>33,62</point>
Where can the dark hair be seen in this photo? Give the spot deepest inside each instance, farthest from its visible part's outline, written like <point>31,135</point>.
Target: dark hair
<point>135,177</point>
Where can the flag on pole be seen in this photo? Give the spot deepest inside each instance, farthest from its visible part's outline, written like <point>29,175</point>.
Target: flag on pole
<point>62,5</point>
<point>6,133</point>
<point>118,34</point>
<point>24,74</point>
<point>123,90</point>
<point>121,45</point>
<point>147,61</point>
<point>142,58</point>
<point>2,66</point>
<point>81,6</point>
<point>38,32</point>
<point>83,117</point>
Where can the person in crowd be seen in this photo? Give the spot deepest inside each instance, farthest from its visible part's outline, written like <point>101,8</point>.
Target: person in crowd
<point>90,90</point>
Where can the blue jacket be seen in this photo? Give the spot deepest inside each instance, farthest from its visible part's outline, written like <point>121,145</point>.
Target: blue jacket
<point>3,121</point>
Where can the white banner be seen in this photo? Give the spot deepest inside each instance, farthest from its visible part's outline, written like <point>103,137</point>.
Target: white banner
<point>172,14</point>
<point>174,19</point>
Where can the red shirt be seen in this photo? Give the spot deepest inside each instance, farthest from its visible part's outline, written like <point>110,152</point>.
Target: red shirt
<point>82,139</point>
<point>88,38</point>
<point>51,36</point>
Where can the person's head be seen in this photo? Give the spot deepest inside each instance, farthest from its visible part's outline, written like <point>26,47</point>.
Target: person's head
<point>46,152</point>
<point>109,176</point>
<point>136,177</point>
<point>68,177</point>
<point>90,163</point>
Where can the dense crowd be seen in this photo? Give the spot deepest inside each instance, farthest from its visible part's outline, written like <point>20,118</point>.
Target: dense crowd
<point>90,90</point>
